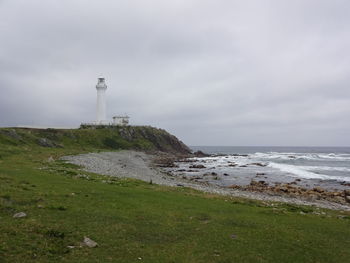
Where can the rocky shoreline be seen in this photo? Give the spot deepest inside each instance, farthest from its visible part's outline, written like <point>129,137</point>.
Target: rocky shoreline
<point>152,168</point>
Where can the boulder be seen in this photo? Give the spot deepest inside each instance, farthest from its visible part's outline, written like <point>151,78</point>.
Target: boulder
<point>44,142</point>
<point>200,154</point>
<point>12,133</point>
<point>318,189</point>
<point>258,164</point>
<point>197,166</point>
<point>19,215</point>
<point>165,161</point>
<point>345,183</point>
<point>89,242</point>
<point>347,195</point>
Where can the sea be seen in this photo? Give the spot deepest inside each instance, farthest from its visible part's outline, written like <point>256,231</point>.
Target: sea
<point>327,167</point>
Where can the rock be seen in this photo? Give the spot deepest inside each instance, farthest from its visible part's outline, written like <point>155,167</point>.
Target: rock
<point>318,189</point>
<point>282,189</point>
<point>197,166</point>
<point>12,133</point>
<point>19,215</point>
<point>225,174</point>
<point>232,165</point>
<point>263,183</point>
<point>260,173</point>
<point>339,199</point>
<point>239,155</point>
<point>243,166</point>
<point>347,195</point>
<point>186,160</point>
<point>50,159</point>
<point>166,162</point>
<point>336,194</point>
<point>200,154</point>
<point>214,173</point>
<point>252,182</point>
<point>46,143</point>
<point>234,186</point>
<point>258,164</point>
<point>89,242</point>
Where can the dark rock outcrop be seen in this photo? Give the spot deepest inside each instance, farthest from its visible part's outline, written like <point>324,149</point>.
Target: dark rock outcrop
<point>200,154</point>
<point>161,139</point>
<point>197,166</point>
<point>44,142</point>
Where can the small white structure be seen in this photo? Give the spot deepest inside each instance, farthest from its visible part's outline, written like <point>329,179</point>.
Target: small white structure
<point>101,102</point>
<point>121,120</point>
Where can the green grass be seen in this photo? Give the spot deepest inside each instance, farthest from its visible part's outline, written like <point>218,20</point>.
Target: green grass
<point>131,219</point>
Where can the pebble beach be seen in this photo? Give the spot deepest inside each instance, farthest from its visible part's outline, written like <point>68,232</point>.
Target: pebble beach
<point>141,166</point>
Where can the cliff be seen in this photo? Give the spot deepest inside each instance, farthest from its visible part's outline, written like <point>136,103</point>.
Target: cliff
<point>143,138</point>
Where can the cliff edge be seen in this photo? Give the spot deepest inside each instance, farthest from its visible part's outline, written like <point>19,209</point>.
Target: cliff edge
<point>144,138</point>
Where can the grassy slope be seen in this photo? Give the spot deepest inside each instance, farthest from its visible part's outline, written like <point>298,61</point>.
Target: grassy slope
<point>131,219</point>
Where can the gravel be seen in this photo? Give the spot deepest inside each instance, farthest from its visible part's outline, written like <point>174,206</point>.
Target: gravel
<point>138,165</point>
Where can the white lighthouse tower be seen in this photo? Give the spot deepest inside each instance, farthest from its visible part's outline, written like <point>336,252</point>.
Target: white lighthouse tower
<point>101,102</point>
<point>101,118</point>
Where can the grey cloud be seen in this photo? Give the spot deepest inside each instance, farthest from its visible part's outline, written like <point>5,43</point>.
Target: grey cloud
<point>211,72</point>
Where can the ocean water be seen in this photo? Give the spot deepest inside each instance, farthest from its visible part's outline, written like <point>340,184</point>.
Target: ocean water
<point>328,167</point>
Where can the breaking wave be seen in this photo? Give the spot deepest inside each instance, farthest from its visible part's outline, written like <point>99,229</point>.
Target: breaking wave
<point>304,156</point>
<point>304,172</point>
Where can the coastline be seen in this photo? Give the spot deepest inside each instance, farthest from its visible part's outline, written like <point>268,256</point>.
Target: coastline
<point>142,166</point>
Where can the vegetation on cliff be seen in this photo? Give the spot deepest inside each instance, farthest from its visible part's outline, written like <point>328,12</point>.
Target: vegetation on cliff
<point>144,138</point>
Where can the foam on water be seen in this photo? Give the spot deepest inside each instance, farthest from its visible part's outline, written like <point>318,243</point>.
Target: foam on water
<point>325,168</point>
<point>273,161</point>
<point>298,171</point>
<point>305,156</point>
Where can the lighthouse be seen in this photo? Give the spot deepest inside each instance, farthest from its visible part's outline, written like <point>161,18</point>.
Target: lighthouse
<point>101,101</point>
<point>101,118</point>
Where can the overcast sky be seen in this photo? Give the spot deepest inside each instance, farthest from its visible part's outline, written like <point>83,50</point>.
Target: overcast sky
<point>212,72</point>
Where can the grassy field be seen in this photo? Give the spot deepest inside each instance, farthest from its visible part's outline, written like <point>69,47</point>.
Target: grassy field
<point>133,221</point>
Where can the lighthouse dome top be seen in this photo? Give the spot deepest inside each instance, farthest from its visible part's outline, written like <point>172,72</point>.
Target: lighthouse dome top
<point>101,83</point>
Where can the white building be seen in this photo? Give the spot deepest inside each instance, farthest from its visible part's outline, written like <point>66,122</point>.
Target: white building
<point>121,120</point>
